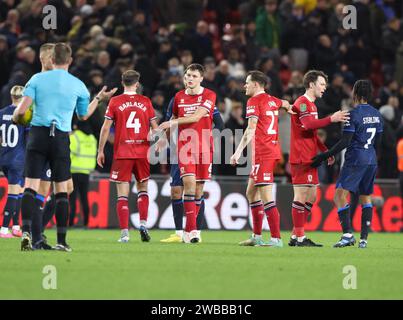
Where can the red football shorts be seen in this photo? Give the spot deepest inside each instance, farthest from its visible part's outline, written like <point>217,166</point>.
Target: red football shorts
<point>198,165</point>
<point>122,170</point>
<point>304,174</point>
<point>262,171</point>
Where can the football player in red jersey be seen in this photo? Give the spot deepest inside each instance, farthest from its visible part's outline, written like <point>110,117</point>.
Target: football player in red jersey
<point>262,111</point>
<point>132,114</point>
<point>192,112</point>
<point>304,146</point>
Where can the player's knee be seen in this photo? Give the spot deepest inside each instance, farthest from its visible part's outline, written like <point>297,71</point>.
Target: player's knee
<point>176,193</point>
<point>339,198</point>
<point>142,186</point>
<point>251,194</point>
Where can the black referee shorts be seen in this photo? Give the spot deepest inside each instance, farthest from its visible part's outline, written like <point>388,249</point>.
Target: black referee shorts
<point>43,149</point>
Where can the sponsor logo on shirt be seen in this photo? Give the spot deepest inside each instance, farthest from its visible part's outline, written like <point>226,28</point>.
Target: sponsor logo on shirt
<point>208,103</point>
<point>250,109</point>
<point>272,104</point>
<point>267,176</point>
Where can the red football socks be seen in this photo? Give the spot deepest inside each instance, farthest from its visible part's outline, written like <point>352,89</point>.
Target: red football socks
<point>308,209</point>
<point>142,204</point>
<point>257,217</point>
<point>189,205</point>
<point>298,218</point>
<point>122,208</point>
<point>273,218</point>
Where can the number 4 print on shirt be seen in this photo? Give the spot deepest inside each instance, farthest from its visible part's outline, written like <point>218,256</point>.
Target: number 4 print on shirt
<point>133,122</point>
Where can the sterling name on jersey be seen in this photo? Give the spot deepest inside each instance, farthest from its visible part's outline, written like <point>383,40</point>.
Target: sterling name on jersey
<point>131,114</point>
<point>12,138</point>
<point>365,122</point>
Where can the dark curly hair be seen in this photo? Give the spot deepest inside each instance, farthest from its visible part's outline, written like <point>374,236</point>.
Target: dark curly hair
<point>362,90</point>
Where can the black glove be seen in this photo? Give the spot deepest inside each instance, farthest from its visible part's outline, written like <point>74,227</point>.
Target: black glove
<point>318,159</point>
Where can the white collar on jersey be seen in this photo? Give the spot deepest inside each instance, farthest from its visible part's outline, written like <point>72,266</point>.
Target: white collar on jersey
<point>260,92</point>
<point>201,91</point>
<point>130,92</point>
<point>309,99</point>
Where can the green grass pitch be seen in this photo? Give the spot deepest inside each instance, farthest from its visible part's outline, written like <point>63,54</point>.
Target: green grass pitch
<point>101,268</point>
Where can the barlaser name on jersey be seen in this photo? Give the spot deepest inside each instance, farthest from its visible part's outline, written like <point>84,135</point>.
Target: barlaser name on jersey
<point>132,104</point>
<point>367,120</point>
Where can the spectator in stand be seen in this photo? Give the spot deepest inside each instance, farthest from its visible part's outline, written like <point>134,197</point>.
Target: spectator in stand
<point>269,28</point>
<point>295,40</point>
<point>399,152</point>
<point>325,57</point>
<point>295,87</point>
<point>387,155</point>
<point>266,65</point>
<point>236,121</point>
<point>390,42</point>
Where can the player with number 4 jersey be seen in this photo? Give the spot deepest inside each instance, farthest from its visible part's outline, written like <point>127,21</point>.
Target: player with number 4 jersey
<point>133,115</point>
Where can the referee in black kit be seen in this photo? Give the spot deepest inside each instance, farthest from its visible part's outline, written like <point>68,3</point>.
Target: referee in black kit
<point>56,94</point>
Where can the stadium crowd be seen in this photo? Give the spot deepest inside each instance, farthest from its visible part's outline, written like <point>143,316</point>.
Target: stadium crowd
<point>160,38</point>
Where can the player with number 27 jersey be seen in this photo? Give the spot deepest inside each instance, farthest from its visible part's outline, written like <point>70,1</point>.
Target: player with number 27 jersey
<point>131,114</point>
<point>266,147</point>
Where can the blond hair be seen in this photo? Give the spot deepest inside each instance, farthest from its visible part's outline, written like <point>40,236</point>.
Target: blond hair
<point>16,92</point>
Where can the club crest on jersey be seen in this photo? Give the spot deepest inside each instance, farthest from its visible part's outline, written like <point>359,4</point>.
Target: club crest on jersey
<point>199,99</point>
<point>303,107</point>
<point>115,174</point>
<point>182,100</point>
<point>267,176</point>
<point>309,178</point>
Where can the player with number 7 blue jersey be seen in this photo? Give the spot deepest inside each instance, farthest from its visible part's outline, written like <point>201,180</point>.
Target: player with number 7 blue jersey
<point>361,135</point>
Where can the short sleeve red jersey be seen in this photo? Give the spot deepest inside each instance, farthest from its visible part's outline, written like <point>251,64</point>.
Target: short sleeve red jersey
<point>184,106</point>
<point>131,114</point>
<point>265,108</point>
<point>304,145</point>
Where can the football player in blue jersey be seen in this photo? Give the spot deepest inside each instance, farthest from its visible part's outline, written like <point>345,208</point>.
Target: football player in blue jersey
<point>361,136</point>
<point>12,158</point>
<point>177,185</point>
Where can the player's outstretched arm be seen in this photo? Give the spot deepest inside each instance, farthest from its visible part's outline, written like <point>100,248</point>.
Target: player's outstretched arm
<point>22,108</point>
<point>195,117</point>
<point>246,138</point>
<point>339,146</point>
<point>102,95</point>
<point>310,123</point>
<point>103,137</point>
<point>286,105</point>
